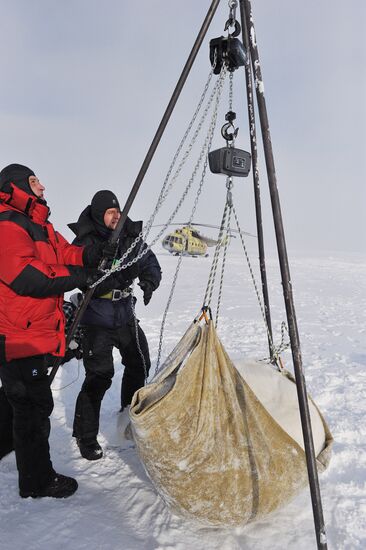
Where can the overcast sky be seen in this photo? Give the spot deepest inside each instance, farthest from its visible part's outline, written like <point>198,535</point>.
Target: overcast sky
<point>84,84</point>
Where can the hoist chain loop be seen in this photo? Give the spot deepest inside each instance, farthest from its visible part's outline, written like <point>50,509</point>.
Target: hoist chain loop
<point>204,151</point>
<point>229,201</point>
<point>212,276</point>
<point>119,264</point>
<point>165,190</point>
<point>132,297</point>
<point>275,350</point>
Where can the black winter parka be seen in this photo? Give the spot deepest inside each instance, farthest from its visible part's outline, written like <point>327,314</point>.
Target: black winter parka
<point>104,312</point>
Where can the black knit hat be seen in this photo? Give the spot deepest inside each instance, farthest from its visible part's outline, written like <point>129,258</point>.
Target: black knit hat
<point>18,175</point>
<point>101,201</point>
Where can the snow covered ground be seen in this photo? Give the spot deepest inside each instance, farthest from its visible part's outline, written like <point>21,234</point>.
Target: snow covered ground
<point>116,506</point>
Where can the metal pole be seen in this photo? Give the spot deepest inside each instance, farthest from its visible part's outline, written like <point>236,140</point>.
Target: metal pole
<point>257,196</point>
<point>145,165</point>
<point>287,287</point>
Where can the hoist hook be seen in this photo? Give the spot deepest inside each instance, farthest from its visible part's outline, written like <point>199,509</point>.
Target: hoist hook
<point>235,24</point>
<point>232,22</point>
<point>229,136</point>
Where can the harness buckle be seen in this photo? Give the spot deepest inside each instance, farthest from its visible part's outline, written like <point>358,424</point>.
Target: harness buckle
<point>117,295</point>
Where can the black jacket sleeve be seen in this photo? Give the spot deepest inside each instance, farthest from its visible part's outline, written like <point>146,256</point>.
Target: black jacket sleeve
<point>149,269</point>
<point>32,282</point>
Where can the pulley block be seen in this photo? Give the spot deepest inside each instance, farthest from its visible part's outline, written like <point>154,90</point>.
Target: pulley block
<point>227,50</point>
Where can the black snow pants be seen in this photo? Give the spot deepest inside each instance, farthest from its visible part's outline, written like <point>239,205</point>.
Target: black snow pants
<point>98,343</point>
<point>6,425</point>
<point>27,389</point>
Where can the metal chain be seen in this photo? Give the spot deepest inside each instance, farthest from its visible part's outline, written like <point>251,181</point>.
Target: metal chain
<point>218,84</point>
<point>162,326</point>
<point>282,347</point>
<point>204,154</point>
<point>206,148</point>
<point>119,265</point>
<point>261,305</point>
<point>72,381</point>
<point>137,333</point>
<point>211,278</point>
<point>231,90</point>
<point>233,4</point>
<point>164,193</point>
<point>276,350</point>
<point>229,185</point>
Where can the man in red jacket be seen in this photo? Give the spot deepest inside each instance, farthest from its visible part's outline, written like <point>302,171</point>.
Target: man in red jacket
<point>37,265</point>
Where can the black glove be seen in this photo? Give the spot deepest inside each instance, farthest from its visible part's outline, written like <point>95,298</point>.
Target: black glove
<point>93,276</point>
<point>84,277</point>
<point>147,289</point>
<point>129,273</point>
<point>94,253</point>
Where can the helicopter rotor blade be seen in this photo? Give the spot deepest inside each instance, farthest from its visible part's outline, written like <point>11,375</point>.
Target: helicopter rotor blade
<point>187,224</point>
<point>218,227</point>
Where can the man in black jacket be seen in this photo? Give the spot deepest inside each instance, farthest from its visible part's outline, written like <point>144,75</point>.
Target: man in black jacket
<point>109,320</point>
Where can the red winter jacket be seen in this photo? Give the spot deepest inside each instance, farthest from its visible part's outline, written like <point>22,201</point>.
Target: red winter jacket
<point>34,274</point>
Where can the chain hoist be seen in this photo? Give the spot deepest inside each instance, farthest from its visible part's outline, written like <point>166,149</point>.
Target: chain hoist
<point>228,50</point>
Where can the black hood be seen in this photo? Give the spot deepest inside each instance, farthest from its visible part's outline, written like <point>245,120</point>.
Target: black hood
<point>18,175</point>
<point>87,226</point>
<point>101,201</point>
<point>84,226</point>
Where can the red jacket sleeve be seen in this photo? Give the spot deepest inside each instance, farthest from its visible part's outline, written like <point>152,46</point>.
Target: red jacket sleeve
<point>23,270</point>
<point>72,254</point>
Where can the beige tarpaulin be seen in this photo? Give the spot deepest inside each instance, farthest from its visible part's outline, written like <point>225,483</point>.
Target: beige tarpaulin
<point>212,450</point>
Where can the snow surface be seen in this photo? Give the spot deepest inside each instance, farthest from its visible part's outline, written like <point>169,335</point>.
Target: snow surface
<point>116,506</point>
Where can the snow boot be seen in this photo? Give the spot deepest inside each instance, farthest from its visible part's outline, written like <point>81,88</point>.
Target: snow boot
<point>60,487</point>
<point>90,448</point>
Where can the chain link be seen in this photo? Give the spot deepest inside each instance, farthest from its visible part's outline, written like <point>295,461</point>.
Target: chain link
<point>283,346</point>
<point>275,350</point>
<point>204,151</point>
<point>119,264</point>
<point>233,4</point>
<point>137,333</point>
<point>231,91</point>
<point>229,185</point>
<point>260,302</point>
<point>164,192</point>
<point>211,278</point>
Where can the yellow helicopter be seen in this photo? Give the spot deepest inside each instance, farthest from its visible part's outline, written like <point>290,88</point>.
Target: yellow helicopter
<point>186,240</point>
